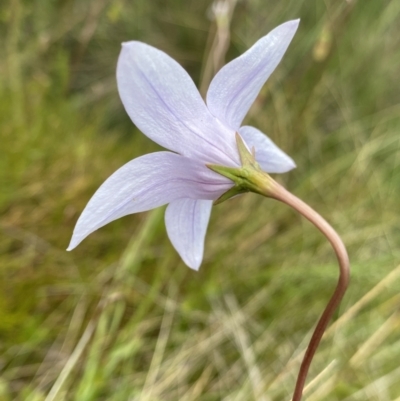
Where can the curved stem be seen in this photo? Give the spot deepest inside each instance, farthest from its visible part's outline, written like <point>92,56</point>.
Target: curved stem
<point>277,192</point>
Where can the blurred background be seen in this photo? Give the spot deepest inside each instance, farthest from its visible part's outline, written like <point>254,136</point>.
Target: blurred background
<point>121,317</point>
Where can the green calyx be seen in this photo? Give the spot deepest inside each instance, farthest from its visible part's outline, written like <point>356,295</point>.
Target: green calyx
<point>247,178</point>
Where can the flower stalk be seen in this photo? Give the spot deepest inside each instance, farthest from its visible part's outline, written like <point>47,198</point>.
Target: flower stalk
<point>251,178</point>
<point>281,194</point>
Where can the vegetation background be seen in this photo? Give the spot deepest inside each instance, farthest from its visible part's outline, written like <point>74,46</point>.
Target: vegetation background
<point>121,317</point>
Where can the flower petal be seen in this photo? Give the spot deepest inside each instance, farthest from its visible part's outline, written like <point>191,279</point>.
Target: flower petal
<point>235,87</point>
<point>144,183</point>
<point>164,103</point>
<point>186,221</point>
<point>268,155</point>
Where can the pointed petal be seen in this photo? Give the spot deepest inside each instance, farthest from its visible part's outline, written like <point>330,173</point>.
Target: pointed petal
<point>164,103</point>
<point>145,183</point>
<point>186,221</point>
<point>235,87</point>
<point>268,155</point>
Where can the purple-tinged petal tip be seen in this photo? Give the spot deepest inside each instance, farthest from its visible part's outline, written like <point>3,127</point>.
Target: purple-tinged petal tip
<point>235,87</point>
<point>186,221</point>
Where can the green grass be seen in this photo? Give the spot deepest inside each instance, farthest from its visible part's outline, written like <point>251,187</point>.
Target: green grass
<point>121,318</point>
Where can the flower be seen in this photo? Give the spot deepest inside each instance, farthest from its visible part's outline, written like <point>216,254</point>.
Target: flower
<point>163,102</point>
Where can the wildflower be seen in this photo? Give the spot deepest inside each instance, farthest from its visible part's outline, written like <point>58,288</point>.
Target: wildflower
<point>163,102</point>
<point>212,158</point>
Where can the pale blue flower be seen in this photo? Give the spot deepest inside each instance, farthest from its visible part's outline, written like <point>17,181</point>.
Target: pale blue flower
<point>163,102</point>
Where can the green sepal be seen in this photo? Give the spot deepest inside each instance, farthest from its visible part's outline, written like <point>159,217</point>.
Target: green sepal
<point>247,158</point>
<point>228,172</point>
<point>229,194</point>
<point>247,178</point>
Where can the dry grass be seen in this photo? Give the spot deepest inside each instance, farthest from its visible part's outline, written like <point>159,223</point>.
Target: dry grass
<point>121,318</point>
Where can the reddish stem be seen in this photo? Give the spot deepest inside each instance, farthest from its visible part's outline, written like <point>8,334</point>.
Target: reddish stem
<point>281,194</point>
